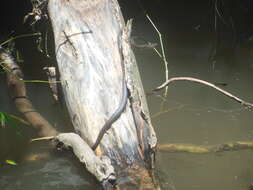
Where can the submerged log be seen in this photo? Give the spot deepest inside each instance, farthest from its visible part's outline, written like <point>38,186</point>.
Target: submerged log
<point>100,167</point>
<point>19,95</point>
<point>231,146</point>
<point>94,57</point>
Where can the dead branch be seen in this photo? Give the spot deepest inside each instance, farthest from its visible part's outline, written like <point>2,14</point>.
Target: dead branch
<point>233,97</point>
<point>100,167</point>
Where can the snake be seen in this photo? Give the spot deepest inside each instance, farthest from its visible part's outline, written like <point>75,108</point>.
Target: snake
<point>117,113</point>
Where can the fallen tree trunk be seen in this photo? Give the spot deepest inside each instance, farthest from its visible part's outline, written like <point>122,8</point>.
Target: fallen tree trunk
<point>20,98</point>
<point>94,57</point>
<point>100,167</point>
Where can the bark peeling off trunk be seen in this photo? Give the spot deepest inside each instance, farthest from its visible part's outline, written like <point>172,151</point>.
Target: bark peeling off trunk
<point>87,39</point>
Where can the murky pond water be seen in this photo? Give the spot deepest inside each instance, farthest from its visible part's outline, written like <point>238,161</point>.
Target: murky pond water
<point>192,114</point>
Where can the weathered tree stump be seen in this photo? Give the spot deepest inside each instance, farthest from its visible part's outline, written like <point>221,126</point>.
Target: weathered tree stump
<point>93,54</point>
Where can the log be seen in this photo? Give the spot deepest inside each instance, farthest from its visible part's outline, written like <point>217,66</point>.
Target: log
<point>231,146</point>
<point>100,167</point>
<point>94,57</point>
<point>19,95</point>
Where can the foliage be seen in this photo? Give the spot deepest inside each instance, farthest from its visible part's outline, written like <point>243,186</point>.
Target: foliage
<point>11,39</point>
<point>11,162</point>
<point>9,120</point>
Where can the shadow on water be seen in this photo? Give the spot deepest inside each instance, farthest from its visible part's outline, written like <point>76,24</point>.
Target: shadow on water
<point>194,114</point>
<point>44,169</point>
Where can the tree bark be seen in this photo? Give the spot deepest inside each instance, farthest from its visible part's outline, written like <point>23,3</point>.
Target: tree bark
<point>100,167</point>
<point>91,42</point>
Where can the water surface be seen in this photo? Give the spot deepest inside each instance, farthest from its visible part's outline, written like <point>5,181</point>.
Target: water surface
<point>192,114</point>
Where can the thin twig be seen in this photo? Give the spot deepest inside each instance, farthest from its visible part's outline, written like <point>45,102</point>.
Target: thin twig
<point>42,138</point>
<point>244,103</point>
<point>163,56</point>
<point>67,39</point>
<point>219,14</point>
<point>20,36</point>
<point>26,81</point>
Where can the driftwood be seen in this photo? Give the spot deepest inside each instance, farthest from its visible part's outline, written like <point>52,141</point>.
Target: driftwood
<point>94,59</point>
<point>91,41</point>
<point>100,167</point>
<point>233,146</point>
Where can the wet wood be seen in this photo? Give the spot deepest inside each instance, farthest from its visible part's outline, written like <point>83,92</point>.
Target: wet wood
<point>100,167</point>
<point>19,95</point>
<point>232,146</point>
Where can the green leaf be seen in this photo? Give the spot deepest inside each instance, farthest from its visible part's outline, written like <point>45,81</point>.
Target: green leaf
<point>2,119</point>
<point>11,162</point>
<point>13,122</point>
<point>18,119</point>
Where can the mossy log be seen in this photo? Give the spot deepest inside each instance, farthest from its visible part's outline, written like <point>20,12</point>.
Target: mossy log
<point>232,146</point>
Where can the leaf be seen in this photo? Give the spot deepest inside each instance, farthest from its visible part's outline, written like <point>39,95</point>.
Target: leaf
<point>2,119</point>
<point>11,162</point>
<point>11,119</point>
<point>13,122</point>
<point>18,119</point>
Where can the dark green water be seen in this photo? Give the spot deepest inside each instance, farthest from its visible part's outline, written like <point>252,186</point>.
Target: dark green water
<point>198,115</point>
<point>194,115</point>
